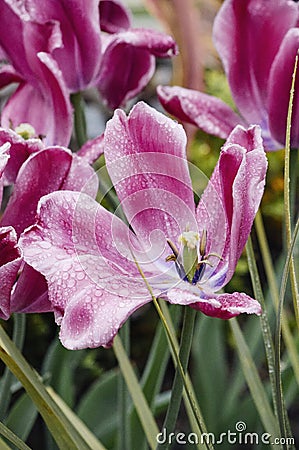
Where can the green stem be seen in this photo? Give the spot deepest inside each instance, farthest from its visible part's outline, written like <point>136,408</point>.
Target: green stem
<point>294,162</point>
<point>272,282</point>
<point>280,401</point>
<point>124,437</point>
<point>266,331</point>
<point>79,119</point>
<point>8,378</point>
<point>287,199</point>
<point>177,388</point>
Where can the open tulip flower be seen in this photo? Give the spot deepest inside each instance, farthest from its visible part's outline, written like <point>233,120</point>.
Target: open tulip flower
<point>257,41</point>
<point>187,253</point>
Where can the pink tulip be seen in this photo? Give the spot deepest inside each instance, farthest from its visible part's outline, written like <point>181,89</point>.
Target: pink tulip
<point>88,255</point>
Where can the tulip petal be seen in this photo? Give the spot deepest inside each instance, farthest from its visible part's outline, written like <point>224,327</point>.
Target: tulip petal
<point>280,81</point>
<point>31,293</point>
<point>10,262</point>
<point>128,63</point>
<point>81,177</point>
<point>242,169</point>
<point>231,200</point>
<point>20,150</point>
<point>8,75</point>
<point>4,156</point>
<point>47,109</point>
<point>146,160</point>
<point>208,113</point>
<point>92,149</point>
<point>114,17</point>
<point>84,253</point>
<point>78,56</point>
<point>223,306</point>
<point>247,36</point>
<point>93,317</point>
<point>42,173</point>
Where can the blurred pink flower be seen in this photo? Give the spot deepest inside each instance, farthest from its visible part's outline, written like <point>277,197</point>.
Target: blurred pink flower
<point>85,252</point>
<point>95,45</point>
<point>257,41</point>
<point>41,98</point>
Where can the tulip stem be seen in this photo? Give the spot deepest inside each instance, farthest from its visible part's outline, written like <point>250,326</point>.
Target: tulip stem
<point>79,119</point>
<point>177,388</point>
<point>124,438</point>
<point>287,195</point>
<point>266,330</point>
<point>289,266</point>
<point>8,378</point>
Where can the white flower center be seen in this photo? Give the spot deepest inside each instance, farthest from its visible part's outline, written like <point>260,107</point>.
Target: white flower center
<point>25,130</point>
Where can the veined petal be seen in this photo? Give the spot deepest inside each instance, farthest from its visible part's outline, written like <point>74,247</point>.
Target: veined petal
<point>230,305</point>
<point>42,173</point>
<point>47,108</point>
<point>128,63</point>
<point>114,17</point>
<point>8,75</point>
<point>208,113</point>
<point>93,317</point>
<point>79,55</point>
<point>31,293</point>
<point>20,150</point>
<point>10,262</point>
<point>242,171</point>
<point>85,254</point>
<point>223,306</point>
<point>247,36</point>
<point>231,200</point>
<point>4,156</point>
<point>146,160</point>
<point>280,81</point>
<point>92,149</point>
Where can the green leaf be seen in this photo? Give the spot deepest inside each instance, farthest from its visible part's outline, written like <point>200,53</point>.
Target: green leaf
<point>24,407</point>
<point>59,365</point>
<point>255,385</point>
<point>146,417</point>
<point>101,397</point>
<point>13,438</point>
<point>208,358</point>
<point>82,429</point>
<point>63,430</point>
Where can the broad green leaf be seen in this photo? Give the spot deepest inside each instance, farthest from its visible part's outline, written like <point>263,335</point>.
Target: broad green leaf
<point>59,366</point>
<point>61,427</point>
<point>81,428</point>
<point>146,417</point>
<point>98,408</point>
<point>23,408</point>
<point>255,385</point>
<point>208,359</point>
<point>13,438</point>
